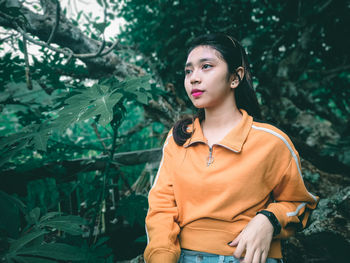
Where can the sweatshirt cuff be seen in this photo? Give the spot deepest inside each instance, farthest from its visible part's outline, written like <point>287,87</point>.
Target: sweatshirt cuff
<point>279,214</point>
<point>162,257</point>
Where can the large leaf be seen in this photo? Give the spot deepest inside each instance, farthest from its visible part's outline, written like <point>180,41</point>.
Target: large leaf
<point>97,100</point>
<point>33,260</point>
<point>135,84</point>
<point>41,138</point>
<point>49,215</point>
<point>15,138</point>
<point>70,224</point>
<point>24,240</point>
<point>65,226</point>
<point>10,217</point>
<point>57,251</point>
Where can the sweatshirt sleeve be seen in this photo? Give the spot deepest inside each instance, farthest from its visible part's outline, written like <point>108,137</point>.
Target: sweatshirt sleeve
<point>292,202</point>
<point>161,226</point>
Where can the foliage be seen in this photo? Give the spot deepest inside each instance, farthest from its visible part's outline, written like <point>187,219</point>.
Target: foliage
<point>46,237</point>
<point>73,101</point>
<point>60,128</point>
<point>134,208</point>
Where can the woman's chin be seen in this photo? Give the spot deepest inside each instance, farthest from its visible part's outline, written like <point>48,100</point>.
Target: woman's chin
<point>198,106</point>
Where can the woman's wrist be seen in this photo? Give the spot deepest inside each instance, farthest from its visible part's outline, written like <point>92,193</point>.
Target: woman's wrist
<point>273,220</point>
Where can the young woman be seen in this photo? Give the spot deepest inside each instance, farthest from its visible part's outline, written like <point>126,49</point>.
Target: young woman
<point>228,187</point>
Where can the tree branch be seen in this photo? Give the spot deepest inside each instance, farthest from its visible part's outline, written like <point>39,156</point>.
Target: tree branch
<point>57,21</point>
<point>15,180</point>
<point>72,41</point>
<point>27,68</point>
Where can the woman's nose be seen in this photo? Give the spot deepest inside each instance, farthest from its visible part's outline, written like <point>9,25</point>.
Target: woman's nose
<point>195,77</point>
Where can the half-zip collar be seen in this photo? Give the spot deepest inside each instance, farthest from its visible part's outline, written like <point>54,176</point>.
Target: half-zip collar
<point>233,141</point>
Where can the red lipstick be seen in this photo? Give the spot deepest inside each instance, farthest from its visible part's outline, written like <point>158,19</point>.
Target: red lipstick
<point>196,93</point>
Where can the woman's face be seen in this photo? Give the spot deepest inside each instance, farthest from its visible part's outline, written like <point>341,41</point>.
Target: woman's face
<point>206,78</point>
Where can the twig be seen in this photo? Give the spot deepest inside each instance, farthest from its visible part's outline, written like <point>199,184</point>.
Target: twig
<point>105,174</point>
<point>66,51</point>
<point>322,7</point>
<point>76,146</point>
<point>12,101</point>
<point>57,21</point>
<point>93,55</point>
<point>45,87</point>
<point>335,70</point>
<point>126,183</point>
<point>27,69</point>
<point>136,129</point>
<point>5,38</point>
<point>98,135</point>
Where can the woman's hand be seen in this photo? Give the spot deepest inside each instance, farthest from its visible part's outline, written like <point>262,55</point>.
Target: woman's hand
<point>255,239</point>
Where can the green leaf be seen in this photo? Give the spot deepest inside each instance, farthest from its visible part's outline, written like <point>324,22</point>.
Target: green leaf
<point>24,240</point>
<point>79,15</point>
<point>20,45</point>
<point>101,241</point>
<point>33,259</point>
<point>15,138</point>
<point>99,2</point>
<point>5,157</point>
<point>89,113</point>
<point>34,214</point>
<point>57,251</point>
<point>115,97</point>
<point>70,224</point>
<point>72,219</point>
<point>141,97</point>
<point>40,140</point>
<point>16,201</point>
<point>134,84</point>
<point>79,100</point>
<point>105,106</point>
<point>10,218</point>
<point>63,122</point>
<point>65,226</point>
<point>49,215</point>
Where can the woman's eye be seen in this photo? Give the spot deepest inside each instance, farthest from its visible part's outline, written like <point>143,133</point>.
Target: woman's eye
<point>187,71</point>
<point>205,66</point>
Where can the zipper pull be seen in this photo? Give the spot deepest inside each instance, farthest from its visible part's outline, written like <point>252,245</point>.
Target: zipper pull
<point>210,157</point>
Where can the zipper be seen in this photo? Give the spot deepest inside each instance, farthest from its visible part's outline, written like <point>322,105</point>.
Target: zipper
<point>210,157</point>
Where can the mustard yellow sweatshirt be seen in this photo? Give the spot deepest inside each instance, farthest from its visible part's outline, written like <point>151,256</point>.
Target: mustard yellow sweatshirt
<point>203,197</point>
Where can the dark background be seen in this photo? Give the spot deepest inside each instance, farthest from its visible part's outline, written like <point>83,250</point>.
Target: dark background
<point>83,117</point>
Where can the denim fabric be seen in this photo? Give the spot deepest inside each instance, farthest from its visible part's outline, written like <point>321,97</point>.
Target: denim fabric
<point>189,256</point>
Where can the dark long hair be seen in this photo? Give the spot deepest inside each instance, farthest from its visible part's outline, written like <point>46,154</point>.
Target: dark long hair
<point>234,55</point>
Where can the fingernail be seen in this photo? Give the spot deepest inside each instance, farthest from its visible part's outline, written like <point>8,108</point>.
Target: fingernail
<point>229,243</point>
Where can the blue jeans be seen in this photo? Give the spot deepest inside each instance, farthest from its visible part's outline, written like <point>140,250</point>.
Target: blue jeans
<point>190,256</point>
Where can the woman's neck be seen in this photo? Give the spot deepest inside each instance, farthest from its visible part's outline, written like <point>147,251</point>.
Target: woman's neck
<point>219,122</point>
<point>219,119</point>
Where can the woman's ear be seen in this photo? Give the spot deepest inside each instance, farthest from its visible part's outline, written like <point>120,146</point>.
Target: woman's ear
<point>234,78</point>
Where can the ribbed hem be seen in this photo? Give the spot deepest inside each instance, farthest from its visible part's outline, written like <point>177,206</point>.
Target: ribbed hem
<point>216,242</point>
<point>163,256</point>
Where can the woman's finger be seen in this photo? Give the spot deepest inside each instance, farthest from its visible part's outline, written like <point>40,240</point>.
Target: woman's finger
<point>257,256</point>
<point>248,255</point>
<point>263,257</point>
<point>235,242</point>
<point>240,249</point>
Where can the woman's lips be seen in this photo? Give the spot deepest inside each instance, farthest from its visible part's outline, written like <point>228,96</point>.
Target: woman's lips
<point>196,93</point>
